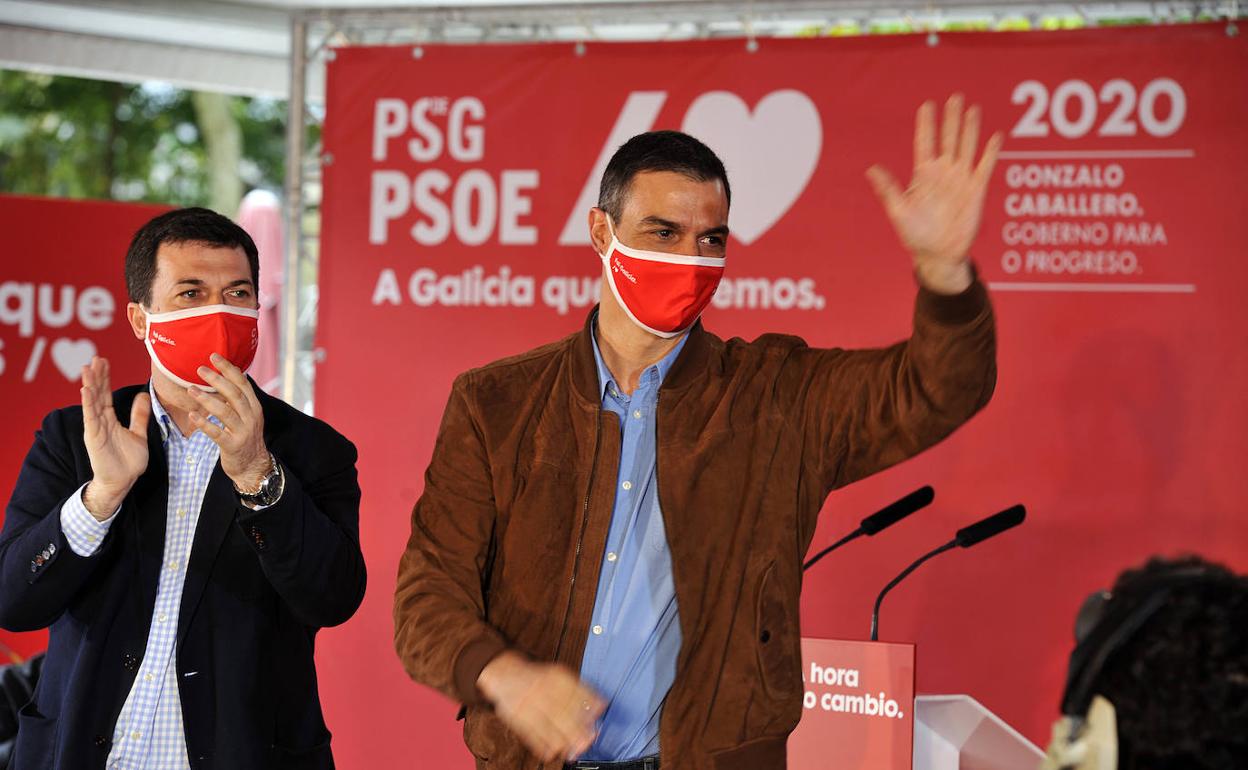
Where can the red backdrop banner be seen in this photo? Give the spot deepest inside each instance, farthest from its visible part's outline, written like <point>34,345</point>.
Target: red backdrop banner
<point>62,300</point>
<point>457,186</point>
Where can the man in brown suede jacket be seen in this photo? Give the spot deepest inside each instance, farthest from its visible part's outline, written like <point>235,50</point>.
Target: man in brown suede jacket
<point>605,564</point>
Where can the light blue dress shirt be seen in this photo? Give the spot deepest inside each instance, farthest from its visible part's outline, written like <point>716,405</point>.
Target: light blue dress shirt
<point>634,638</point>
<point>149,734</point>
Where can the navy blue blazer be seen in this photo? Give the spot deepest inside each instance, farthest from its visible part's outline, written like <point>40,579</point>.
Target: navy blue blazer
<point>258,586</point>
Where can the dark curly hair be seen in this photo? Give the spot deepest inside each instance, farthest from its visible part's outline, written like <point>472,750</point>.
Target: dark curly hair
<point>1180,685</point>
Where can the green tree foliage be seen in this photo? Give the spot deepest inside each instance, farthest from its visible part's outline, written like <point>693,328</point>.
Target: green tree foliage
<point>78,138</point>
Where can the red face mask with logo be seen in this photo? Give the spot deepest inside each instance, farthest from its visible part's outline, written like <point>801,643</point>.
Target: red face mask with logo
<point>181,341</point>
<point>662,293</point>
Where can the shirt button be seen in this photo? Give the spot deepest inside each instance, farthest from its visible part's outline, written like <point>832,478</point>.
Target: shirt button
<point>190,461</point>
<point>136,735</point>
<point>611,557</point>
<point>173,565</point>
<point>627,485</point>
<point>637,413</point>
<point>147,677</point>
<point>597,630</point>
<point>161,618</point>
<point>90,538</point>
<point>181,513</point>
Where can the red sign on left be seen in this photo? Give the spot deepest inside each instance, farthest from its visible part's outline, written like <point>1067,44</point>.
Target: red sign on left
<point>62,300</point>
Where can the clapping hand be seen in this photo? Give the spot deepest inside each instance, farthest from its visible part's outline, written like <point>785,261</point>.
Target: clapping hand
<point>118,453</point>
<point>244,456</point>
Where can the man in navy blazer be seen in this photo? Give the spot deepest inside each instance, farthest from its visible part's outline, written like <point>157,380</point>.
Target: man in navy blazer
<point>183,539</point>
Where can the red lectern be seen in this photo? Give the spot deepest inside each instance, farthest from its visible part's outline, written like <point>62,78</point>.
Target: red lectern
<point>860,711</point>
<point>858,706</point>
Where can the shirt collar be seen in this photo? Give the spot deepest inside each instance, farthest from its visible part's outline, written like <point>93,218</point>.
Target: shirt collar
<point>165,422</point>
<point>606,382</point>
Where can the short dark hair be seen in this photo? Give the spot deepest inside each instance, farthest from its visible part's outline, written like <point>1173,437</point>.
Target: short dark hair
<point>1180,685</point>
<point>657,151</point>
<point>189,225</point>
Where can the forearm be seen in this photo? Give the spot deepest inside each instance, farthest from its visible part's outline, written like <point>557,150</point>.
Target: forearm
<point>311,559</point>
<point>866,410</point>
<point>952,352</point>
<point>440,634</point>
<point>40,571</point>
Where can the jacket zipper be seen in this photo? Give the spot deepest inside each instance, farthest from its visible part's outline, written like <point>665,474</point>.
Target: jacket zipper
<point>580,538</point>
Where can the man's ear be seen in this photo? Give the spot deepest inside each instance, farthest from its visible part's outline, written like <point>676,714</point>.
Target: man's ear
<point>137,319</point>
<point>599,230</point>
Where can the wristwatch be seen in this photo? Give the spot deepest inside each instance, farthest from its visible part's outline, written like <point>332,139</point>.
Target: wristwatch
<point>270,490</point>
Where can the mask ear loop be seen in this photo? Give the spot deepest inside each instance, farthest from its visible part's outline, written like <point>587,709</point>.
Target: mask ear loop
<point>610,229</point>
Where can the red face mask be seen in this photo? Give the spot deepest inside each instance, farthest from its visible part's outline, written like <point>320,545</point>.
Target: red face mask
<point>181,341</point>
<point>662,293</point>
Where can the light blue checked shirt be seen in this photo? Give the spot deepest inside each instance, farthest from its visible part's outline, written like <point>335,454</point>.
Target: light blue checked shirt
<point>630,657</point>
<point>149,733</point>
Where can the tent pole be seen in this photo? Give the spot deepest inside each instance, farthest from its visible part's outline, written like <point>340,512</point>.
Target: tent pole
<point>293,199</point>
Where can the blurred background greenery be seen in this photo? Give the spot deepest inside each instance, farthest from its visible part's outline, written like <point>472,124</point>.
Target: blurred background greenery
<point>77,138</point>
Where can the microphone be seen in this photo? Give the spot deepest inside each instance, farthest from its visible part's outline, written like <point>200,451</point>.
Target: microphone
<point>965,538</point>
<point>991,526</point>
<point>881,519</point>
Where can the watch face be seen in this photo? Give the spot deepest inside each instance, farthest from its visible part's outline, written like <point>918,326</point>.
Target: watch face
<point>266,490</point>
<point>271,488</point>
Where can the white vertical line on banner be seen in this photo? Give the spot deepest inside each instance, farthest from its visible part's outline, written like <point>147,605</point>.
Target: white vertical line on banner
<point>36,357</point>
<point>641,108</point>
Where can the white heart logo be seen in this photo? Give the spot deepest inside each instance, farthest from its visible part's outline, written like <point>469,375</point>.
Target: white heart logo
<point>71,355</point>
<point>770,155</point>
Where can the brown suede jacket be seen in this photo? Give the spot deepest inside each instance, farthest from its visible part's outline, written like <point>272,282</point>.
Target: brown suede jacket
<point>508,536</point>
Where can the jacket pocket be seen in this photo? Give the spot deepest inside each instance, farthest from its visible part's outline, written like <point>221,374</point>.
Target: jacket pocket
<point>776,638</point>
<point>767,753</point>
<point>36,740</point>
<point>304,757</point>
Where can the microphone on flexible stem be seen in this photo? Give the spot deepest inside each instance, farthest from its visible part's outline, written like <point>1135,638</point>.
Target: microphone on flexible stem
<point>965,538</point>
<point>885,517</point>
